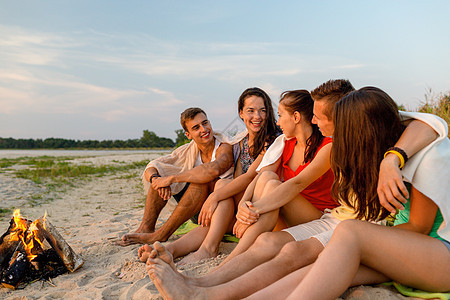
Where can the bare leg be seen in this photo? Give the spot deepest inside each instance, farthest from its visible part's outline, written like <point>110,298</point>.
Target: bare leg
<point>205,240</point>
<point>293,256</point>
<point>265,248</point>
<point>220,222</point>
<point>189,205</point>
<point>266,222</point>
<point>153,206</point>
<point>282,288</point>
<point>188,242</point>
<point>410,258</point>
<point>299,211</point>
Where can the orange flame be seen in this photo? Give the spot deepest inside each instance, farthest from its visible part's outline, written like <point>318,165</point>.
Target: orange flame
<point>19,232</point>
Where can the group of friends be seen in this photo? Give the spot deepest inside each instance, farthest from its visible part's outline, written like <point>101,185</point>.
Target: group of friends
<point>308,203</point>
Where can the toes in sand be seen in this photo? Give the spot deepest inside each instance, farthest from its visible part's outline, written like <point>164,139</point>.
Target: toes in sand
<point>144,252</point>
<point>169,283</point>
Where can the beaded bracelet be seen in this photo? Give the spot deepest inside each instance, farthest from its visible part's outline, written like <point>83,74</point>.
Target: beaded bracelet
<point>401,154</point>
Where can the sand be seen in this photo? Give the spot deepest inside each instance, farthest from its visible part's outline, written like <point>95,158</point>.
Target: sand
<point>89,216</point>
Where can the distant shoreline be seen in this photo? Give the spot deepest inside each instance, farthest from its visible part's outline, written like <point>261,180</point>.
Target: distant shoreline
<point>14,153</point>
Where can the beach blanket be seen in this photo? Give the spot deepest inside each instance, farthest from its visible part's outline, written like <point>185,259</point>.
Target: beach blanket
<point>429,169</point>
<point>189,225</point>
<point>182,159</point>
<point>410,292</point>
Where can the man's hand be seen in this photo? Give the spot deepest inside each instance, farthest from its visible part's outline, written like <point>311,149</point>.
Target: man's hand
<point>208,208</point>
<point>160,182</point>
<point>165,193</point>
<point>391,190</point>
<point>245,213</point>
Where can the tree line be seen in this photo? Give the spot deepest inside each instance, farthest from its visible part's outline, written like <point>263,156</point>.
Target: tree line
<point>149,139</point>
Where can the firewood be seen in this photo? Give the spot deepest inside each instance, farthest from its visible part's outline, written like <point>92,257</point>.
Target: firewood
<point>71,260</point>
<point>8,245</point>
<point>16,271</point>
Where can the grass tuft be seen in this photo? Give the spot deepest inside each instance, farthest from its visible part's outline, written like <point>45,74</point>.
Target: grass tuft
<point>437,104</point>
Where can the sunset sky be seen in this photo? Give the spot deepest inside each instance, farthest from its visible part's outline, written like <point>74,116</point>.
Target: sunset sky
<point>110,69</point>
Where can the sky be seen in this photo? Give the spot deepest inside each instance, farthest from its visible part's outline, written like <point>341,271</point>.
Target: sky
<point>109,69</point>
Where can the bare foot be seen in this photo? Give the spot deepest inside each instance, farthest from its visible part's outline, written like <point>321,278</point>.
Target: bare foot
<point>145,228</point>
<point>144,252</point>
<point>140,238</point>
<point>170,284</point>
<point>163,254</point>
<point>198,255</point>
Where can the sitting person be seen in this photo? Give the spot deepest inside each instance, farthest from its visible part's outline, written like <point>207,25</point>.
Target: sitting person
<point>276,254</point>
<point>415,252</point>
<point>217,213</point>
<point>189,173</point>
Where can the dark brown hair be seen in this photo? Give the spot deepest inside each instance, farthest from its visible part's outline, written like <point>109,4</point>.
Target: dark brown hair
<point>301,101</point>
<point>331,92</point>
<point>269,130</point>
<point>190,114</point>
<point>366,125</point>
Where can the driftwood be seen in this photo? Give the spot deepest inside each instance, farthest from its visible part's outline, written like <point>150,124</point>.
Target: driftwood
<point>71,260</point>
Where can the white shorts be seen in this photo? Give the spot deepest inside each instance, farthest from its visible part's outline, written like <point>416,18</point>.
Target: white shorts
<point>321,229</point>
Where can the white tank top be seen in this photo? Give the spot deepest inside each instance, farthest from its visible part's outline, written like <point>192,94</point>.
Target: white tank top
<point>227,174</point>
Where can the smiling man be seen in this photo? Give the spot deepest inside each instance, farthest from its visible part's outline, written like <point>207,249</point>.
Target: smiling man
<point>188,174</point>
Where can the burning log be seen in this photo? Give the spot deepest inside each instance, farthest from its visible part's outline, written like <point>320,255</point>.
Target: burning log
<point>8,244</point>
<point>34,250</point>
<point>71,260</point>
<point>16,271</point>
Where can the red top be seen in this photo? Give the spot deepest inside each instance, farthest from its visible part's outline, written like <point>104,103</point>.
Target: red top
<point>318,192</point>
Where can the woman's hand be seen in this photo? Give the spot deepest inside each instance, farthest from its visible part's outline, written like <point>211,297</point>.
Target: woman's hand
<point>208,208</point>
<point>160,182</point>
<point>239,229</point>
<point>391,189</point>
<point>245,213</point>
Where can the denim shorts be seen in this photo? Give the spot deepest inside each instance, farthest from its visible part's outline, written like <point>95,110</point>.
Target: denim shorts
<point>447,244</point>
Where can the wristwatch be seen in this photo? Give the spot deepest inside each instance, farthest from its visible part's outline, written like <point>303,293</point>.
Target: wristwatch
<point>153,176</point>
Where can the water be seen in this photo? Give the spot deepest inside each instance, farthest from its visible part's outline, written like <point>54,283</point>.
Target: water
<point>53,152</point>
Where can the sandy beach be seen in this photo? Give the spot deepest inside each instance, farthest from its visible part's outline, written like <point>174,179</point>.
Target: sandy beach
<point>90,214</point>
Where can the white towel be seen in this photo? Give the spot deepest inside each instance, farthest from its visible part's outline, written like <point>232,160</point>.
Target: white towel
<point>429,169</point>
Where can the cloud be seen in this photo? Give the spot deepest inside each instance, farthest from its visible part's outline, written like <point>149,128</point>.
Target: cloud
<point>93,73</point>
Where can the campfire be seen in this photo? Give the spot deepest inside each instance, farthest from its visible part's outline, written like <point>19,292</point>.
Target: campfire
<point>31,251</point>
